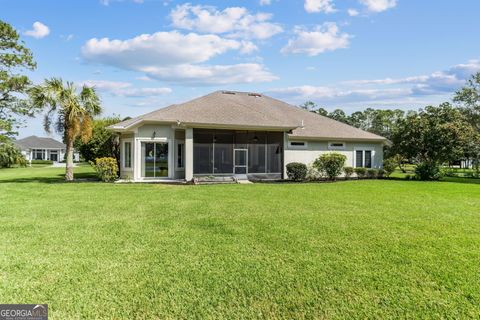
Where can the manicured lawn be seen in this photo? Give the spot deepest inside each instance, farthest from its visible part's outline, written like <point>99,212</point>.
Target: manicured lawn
<point>356,249</point>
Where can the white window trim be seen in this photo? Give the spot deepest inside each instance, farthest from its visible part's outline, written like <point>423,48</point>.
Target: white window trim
<point>330,147</point>
<point>363,157</point>
<point>177,143</point>
<point>305,145</point>
<point>122,155</point>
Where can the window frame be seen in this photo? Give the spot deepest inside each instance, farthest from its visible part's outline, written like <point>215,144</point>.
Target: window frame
<point>330,147</point>
<point>177,144</point>
<point>292,146</point>
<point>123,154</point>
<point>363,150</point>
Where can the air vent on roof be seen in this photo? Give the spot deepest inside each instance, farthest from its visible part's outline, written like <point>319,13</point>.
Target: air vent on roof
<point>228,92</point>
<point>255,95</point>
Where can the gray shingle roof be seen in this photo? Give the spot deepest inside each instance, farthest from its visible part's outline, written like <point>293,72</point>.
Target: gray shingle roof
<point>34,142</point>
<point>245,109</point>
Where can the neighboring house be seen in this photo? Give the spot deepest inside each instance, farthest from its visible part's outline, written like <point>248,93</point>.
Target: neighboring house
<point>226,133</point>
<point>43,148</point>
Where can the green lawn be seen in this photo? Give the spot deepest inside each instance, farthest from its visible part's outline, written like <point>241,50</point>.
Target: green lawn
<point>356,249</point>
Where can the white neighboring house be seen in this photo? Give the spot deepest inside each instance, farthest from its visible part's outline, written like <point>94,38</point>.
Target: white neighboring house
<point>43,148</point>
<point>241,134</point>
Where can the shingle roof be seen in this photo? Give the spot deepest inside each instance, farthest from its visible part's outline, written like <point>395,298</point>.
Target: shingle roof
<point>34,142</point>
<point>243,109</point>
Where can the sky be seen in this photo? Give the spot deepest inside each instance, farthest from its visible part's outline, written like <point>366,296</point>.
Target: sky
<point>142,55</point>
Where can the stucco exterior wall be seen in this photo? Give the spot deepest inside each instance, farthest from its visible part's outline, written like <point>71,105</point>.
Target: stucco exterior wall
<point>313,149</point>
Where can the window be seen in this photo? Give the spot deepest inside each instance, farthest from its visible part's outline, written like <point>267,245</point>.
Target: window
<point>336,145</point>
<point>363,158</point>
<point>127,160</point>
<point>297,144</point>
<point>180,152</point>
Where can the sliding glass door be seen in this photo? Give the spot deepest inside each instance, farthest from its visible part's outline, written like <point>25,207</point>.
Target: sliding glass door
<point>155,159</point>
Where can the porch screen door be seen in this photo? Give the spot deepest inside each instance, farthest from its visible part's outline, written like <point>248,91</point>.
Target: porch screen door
<point>241,157</point>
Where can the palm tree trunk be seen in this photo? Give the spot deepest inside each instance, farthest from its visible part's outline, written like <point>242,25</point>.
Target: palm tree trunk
<point>69,161</point>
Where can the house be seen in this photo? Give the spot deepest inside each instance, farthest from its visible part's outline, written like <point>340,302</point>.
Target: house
<point>241,134</point>
<point>43,148</point>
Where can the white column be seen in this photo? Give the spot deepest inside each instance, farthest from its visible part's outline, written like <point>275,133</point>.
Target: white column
<point>188,154</point>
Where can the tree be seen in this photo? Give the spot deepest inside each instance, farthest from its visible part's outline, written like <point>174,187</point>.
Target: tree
<point>10,155</point>
<point>339,115</point>
<point>14,58</point>
<point>432,136</point>
<point>73,111</point>
<point>103,143</point>
<point>309,105</point>
<point>469,98</point>
<point>321,111</point>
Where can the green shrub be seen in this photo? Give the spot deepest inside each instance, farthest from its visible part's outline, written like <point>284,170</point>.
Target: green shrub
<point>296,171</point>
<point>348,171</point>
<point>428,171</point>
<point>45,162</point>
<point>380,173</point>
<point>10,155</point>
<point>106,168</point>
<point>372,173</point>
<point>330,164</point>
<point>360,172</point>
<point>408,177</point>
<point>389,165</point>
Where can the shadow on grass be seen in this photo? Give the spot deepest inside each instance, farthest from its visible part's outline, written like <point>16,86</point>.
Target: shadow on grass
<point>54,179</point>
<point>444,179</point>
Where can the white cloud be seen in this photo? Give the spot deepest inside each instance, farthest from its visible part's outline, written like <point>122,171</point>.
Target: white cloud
<point>378,5</point>
<point>125,89</point>
<point>175,57</point>
<point>235,22</point>
<point>352,12</point>
<point>39,30</point>
<point>211,74</point>
<point>265,2</point>
<point>322,38</point>
<point>422,89</point>
<point>313,6</point>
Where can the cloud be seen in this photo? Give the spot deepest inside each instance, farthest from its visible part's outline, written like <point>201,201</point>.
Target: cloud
<point>314,6</point>
<point>125,89</point>
<point>176,57</point>
<point>39,30</point>
<point>378,5</point>
<point>353,12</point>
<point>322,38</point>
<point>235,22</point>
<point>426,89</point>
<point>265,2</point>
<point>211,74</point>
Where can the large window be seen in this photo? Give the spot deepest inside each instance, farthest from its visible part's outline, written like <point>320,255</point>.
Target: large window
<point>180,155</point>
<point>363,158</point>
<point>127,155</point>
<point>214,151</point>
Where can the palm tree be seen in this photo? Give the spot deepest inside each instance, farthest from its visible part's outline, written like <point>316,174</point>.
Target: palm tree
<point>72,112</point>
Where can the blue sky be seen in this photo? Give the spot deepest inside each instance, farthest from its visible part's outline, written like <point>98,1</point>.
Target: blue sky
<point>352,54</point>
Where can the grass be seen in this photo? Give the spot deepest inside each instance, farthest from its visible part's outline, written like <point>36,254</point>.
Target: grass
<point>355,249</point>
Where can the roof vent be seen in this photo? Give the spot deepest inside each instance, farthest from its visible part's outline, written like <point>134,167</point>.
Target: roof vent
<point>257,95</point>
<point>228,92</point>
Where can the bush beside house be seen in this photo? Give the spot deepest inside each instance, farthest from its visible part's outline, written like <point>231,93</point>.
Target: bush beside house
<point>330,164</point>
<point>296,171</point>
<point>106,168</point>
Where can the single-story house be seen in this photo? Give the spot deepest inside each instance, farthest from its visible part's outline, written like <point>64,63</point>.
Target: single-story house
<point>241,134</point>
<point>43,148</point>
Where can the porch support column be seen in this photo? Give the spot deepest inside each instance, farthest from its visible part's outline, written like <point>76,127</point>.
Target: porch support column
<point>188,154</point>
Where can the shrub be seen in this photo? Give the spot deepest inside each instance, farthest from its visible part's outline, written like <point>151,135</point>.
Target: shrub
<point>10,155</point>
<point>296,171</point>
<point>360,172</point>
<point>380,173</point>
<point>408,177</point>
<point>389,165</point>
<point>372,173</point>
<point>330,164</point>
<point>46,162</point>
<point>106,169</point>
<point>348,172</point>
<point>313,174</point>
<point>428,171</point>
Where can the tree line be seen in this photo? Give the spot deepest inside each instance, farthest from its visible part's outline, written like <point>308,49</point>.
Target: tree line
<point>429,137</point>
